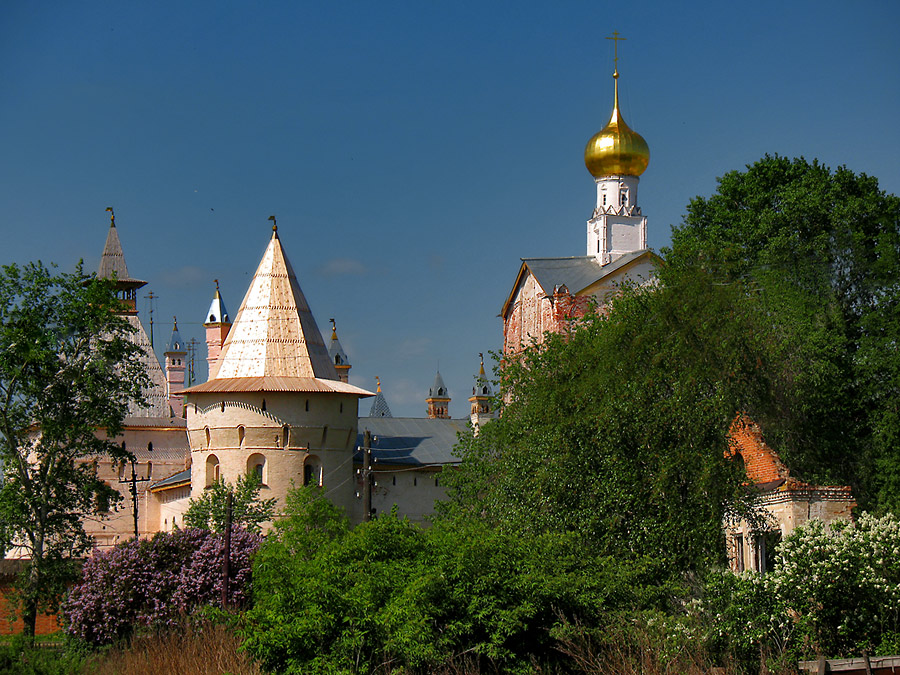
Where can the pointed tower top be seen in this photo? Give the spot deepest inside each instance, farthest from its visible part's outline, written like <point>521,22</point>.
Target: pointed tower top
<point>175,344</point>
<point>275,334</point>
<point>335,350</point>
<point>112,260</point>
<point>380,407</point>
<point>438,389</point>
<point>217,312</point>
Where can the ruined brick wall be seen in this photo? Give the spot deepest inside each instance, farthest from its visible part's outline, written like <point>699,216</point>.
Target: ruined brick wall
<point>761,462</point>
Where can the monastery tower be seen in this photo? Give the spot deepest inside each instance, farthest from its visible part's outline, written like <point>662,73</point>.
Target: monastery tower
<point>274,403</point>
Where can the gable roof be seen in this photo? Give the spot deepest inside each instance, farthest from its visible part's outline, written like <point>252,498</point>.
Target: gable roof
<point>576,273</point>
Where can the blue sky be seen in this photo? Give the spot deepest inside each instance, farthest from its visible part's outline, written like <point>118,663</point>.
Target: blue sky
<point>412,152</point>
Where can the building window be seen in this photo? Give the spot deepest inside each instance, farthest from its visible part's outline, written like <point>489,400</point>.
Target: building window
<point>312,471</point>
<point>739,552</point>
<point>208,437</point>
<point>623,198</point>
<point>256,464</point>
<point>241,433</point>
<point>212,470</point>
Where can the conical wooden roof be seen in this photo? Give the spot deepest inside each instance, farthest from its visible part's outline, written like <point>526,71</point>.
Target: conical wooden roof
<point>112,261</point>
<point>274,343</point>
<point>274,334</point>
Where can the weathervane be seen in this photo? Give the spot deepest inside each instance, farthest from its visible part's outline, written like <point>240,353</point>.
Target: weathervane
<point>274,224</point>
<point>112,216</point>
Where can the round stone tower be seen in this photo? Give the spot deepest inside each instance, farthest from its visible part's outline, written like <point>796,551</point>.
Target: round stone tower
<point>275,405</point>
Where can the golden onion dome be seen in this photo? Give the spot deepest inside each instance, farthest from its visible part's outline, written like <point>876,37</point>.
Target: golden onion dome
<point>616,150</point>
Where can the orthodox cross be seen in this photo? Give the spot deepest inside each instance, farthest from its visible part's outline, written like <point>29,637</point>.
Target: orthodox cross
<point>615,38</point>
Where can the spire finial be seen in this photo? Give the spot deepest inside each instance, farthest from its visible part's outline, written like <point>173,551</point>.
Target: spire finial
<point>333,329</point>
<point>174,323</point>
<point>274,226</point>
<point>112,216</point>
<point>378,383</point>
<point>481,371</point>
<point>615,38</point>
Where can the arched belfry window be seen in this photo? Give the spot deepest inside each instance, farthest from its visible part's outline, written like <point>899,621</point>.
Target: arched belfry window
<point>241,434</point>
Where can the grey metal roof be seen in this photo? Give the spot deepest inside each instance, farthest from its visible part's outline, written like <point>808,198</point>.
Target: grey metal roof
<point>412,441</point>
<point>174,479</point>
<point>576,273</point>
<point>175,344</point>
<point>438,389</point>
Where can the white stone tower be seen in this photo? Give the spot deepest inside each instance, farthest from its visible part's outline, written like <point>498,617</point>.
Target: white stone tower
<point>274,404</point>
<point>616,157</point>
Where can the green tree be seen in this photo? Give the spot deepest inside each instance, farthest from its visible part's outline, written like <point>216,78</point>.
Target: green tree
<point>67,369</point>
<point>796,228</point>
<point>208,511</point>
<point>617,430</point>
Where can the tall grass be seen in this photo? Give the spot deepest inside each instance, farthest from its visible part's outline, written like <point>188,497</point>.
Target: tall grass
<point>198,650</point>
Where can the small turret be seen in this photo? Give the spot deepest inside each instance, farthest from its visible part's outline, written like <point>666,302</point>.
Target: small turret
<point>379,407</point>
<point>482,394</point>
<point>339,357</point>
<point>175,356</point>
<point>217,325</point>
<point>438,399</point>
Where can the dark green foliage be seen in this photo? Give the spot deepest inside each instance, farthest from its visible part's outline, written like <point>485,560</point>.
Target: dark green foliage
<point>388,595</point>
<point>827,245</point>
<point>617,431</point>
<point>248,511</point>
<point>67,369</point>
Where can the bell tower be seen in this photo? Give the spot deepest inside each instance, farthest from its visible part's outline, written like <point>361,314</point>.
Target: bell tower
<point>616,156</point>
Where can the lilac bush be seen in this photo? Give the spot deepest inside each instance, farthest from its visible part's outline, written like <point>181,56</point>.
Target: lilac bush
<point>155,582</point>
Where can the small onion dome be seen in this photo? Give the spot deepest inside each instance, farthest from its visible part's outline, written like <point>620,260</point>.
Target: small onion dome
<point>616,150</point>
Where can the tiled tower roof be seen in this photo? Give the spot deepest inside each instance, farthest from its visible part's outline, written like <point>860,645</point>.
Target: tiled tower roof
<point>274,343</point>
<point>380,407</point>
<point>275,334</point>
<point>112,260</point>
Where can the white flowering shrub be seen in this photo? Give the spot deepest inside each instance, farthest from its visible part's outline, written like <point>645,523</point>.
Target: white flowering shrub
<point>841,584</point>
<point>835,590</point>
